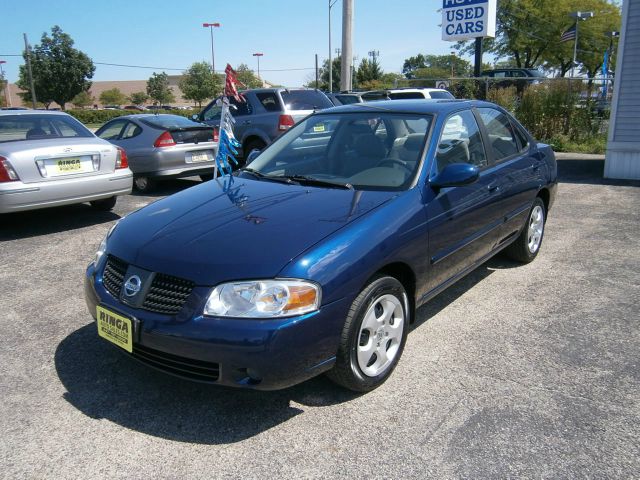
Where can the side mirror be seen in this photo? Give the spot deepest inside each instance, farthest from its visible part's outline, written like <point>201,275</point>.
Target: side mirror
<point>253,154</point>
<point>455,175</point>
<point>195,117</point>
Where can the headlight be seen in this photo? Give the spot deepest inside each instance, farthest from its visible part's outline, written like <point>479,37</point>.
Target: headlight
<point>263,299</point>
<point>103,245</point>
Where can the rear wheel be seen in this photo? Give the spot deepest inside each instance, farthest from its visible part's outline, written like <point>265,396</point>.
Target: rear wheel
<point>373,336</point>
<point>525,249</point>
<point>104,205</point>
<point>258,145</point>
<point>144,184</point>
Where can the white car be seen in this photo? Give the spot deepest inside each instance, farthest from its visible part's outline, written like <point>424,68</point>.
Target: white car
<point>49,159</point>
<point>407,93</point>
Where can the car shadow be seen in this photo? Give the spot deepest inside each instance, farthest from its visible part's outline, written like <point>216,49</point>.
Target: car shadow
<point>451,294</point>
<point>588,171</point>
<point>34,223</point>
<point>164,188</point>
<point>105,383</point>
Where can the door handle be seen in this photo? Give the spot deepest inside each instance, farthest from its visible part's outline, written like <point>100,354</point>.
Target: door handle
<point>493,188</point>
<point>247,122</point>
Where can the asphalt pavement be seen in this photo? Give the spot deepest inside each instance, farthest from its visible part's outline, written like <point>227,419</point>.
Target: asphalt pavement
<point>516,371</point>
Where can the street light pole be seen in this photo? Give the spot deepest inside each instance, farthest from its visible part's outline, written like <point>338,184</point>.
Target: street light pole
<point>258,55</point>
<point>27,49</point>
<point>211,26</point>
<point>578,16</point>
<point>331,4</point>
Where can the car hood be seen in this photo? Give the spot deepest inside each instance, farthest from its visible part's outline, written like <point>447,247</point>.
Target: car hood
<point>235,228</point>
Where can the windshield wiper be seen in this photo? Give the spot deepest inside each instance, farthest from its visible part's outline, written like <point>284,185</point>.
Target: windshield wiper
<point>303,179</point>
<point>261,175</point>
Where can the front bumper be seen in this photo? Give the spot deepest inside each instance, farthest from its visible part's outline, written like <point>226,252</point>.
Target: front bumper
<point>18,196</point>
<point>261,354</point>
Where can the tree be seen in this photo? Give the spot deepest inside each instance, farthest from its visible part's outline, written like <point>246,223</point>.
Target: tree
<point>198,83</point>
<point>246,76</point>
<point>60,72</point>
<point>435,66</point>
<point>323,76</point>
<point>368,71</point>
<point>158,88</point>
<point>528,32</point>
<point>112,96</point>
<point>139,98</point>
<point>83,99</point>
<point>3,84</point>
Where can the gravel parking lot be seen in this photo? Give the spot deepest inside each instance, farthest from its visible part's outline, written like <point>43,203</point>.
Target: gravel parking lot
<point>516,371</point>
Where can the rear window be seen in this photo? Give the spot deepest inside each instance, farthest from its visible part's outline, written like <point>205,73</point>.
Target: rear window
<point>347,99</point>
<point>535,73</point>
<point>40,127</point>
<point>405,95</point>
<point>305,100</point>
<point>170,122</point>
<point>445,95</point>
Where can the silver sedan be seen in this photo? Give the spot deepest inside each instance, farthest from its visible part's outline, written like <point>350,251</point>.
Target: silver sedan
<point>163,146</point>
<point>49,159</point>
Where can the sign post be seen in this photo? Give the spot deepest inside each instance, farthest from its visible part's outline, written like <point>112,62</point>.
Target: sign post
<point>467,19</point>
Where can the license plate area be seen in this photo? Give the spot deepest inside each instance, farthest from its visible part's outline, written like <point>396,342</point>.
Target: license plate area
<point>199,156</point>
<point>115,328</point>
<point>62,166</point>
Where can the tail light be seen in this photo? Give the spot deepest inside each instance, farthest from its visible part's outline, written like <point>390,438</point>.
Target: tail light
<point>285,122</point>
<point>216,134</point>
<point>121,158</point>
<point>7,173</point>
<point>164,140</point>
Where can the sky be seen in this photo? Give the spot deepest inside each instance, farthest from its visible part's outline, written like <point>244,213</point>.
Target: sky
<point>169,34</point>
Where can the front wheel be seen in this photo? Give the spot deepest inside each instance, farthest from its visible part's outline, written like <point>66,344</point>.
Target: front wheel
<point>525,249</point>
<point>373,336</point>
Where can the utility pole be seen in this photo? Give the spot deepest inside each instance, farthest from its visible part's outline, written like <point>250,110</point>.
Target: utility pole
<point>331,4</point>
<point>33,89</point>
<point>317,71</point>
<point>578,16</point>
<point>347,25</point>
<point>211,26</point>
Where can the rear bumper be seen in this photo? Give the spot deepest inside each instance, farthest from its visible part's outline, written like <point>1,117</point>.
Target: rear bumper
<point>172,162</point>
<point>248,353</point>
<point>18,196</point>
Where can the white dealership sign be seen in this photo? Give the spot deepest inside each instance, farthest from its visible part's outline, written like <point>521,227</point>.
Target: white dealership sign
<point>465,19</point>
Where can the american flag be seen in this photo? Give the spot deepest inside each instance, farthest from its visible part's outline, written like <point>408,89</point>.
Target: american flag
<point>570,34</point>
<point>231,83</point>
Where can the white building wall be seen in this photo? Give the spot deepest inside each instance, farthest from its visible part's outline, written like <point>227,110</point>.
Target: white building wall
<point>623,147</point>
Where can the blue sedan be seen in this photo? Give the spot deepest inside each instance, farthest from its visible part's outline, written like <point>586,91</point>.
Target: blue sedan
<point>315,256</point>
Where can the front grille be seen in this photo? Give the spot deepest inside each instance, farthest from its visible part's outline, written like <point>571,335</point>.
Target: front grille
<point>167,294</point>
<point>113,276</point>
<point>197,370</point>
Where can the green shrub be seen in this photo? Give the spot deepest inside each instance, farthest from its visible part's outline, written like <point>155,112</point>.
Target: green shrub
<point>507,98</point>
<point>95,117</point>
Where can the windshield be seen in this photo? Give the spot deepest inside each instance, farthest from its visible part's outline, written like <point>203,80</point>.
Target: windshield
<point>40,127</point>
<point>364,150</point>
<point>305,100</point>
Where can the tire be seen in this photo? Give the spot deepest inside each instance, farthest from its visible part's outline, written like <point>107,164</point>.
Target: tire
<point>104,205</point>
<point>206,177</point>
<point>525,249</point>
<point>144,184</point>
<point>378,321</point>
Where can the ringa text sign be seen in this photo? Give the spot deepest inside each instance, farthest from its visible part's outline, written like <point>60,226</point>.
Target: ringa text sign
<point>465,19</point>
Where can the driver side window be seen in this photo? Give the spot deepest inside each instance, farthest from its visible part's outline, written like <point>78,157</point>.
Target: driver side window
<point>461,142</point>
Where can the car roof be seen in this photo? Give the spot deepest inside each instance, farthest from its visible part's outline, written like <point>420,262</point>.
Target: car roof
<point>418,106</point>
<point>33,112</point>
